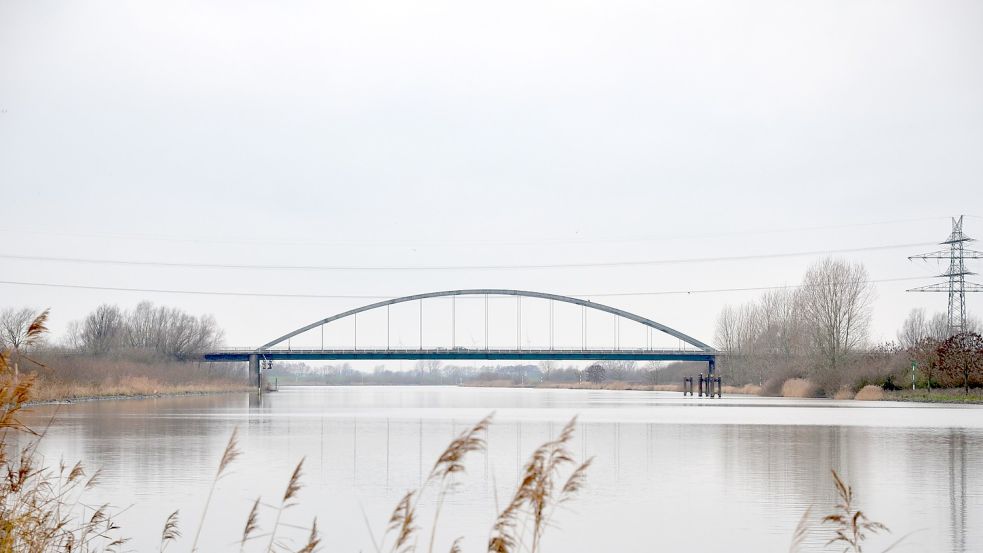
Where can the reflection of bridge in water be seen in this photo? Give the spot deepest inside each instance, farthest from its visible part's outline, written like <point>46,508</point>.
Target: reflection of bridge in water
<point>691,349</point>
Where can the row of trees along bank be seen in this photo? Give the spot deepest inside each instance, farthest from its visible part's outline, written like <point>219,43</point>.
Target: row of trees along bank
<point>819,330</point>
<point>148,349</point>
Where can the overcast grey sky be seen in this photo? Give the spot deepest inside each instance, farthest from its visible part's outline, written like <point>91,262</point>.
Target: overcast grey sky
<point>375,133</point>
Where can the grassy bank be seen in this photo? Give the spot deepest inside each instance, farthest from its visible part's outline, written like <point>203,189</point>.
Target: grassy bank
<point>131,387</point>
<point>949,395</point>
<point>70,377</point>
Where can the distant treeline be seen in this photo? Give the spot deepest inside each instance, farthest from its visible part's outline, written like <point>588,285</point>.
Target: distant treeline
<point>437,373</point>
<point>818,331</point>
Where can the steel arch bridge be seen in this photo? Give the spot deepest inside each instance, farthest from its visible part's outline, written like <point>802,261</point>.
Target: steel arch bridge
<point>700,351</point>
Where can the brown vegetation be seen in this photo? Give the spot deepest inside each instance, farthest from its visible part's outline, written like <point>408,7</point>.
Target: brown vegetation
<point>74,376</point>
<point>870,393</point>
<point>747,389</point>
<point>798,387</point>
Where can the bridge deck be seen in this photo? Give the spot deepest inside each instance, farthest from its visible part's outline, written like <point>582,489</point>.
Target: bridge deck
<point>462,354</point>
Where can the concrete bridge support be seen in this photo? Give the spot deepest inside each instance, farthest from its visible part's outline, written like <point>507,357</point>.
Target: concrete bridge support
<point>254,370</point>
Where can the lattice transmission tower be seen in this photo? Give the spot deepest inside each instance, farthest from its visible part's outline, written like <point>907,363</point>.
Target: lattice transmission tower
<point>956,284</point>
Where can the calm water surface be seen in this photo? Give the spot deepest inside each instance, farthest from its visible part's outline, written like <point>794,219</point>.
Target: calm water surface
<point>670,474</point>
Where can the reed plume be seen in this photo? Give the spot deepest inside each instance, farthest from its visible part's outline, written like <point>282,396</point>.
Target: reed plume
<point>536,497</point>
<point>801,531</point>
<point>252,523</point>
<point>293,486</point>
<point>230,454</point>
<point>170,532</point>
<point>313,540</point>
<point>403,522</point>
<point>850,526</point>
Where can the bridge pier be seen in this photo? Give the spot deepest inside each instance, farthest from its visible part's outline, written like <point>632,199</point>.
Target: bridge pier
<point>254,380</point>
<point>711,366</point>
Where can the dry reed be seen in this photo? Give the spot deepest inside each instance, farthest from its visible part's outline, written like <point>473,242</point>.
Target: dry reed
<point>41,509</point>
<point>537,495</point>
<point>293,486</point>
<point>170,532</point>
<point>798,387</point>
<point>850,526</point>
<point>747,389</point>
<point>870,393</point>
<point>228,456</point>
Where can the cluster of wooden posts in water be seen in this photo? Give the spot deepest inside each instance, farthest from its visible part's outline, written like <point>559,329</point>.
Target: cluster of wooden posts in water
<point>710,386</point>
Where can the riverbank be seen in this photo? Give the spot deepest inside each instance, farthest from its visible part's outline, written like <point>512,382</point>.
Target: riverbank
<point>76,377</point>
<point>949,395</point>
<point>748,389</point>
<point>128,388</point>
<point>955,395</point>
<point>85,399</point>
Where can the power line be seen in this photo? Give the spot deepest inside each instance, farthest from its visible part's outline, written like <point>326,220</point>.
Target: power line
<point>470,243</point>
<point>575,265</point>
<point>390,296</point>
<point>190,292</point>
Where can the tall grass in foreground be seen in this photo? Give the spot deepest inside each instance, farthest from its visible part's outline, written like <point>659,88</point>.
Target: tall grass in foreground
<point>42,509</point>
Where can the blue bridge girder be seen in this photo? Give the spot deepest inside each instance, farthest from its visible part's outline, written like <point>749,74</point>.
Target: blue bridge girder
<point>462,354</point>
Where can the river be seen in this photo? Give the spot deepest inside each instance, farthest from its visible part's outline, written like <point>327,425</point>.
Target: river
<point>669,474</point>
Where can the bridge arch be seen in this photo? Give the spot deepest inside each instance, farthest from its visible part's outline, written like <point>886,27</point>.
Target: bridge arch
<point>497,292</point>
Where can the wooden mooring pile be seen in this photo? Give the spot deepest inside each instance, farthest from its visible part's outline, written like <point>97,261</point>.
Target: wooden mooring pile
<point>710,386</point>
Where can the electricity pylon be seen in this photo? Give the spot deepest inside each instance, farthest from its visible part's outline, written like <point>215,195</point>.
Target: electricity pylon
<point>956,284</point>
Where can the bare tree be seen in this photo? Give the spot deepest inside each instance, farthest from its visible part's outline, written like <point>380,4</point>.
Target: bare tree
<point>837,299</point>
<point>429,366</point>
<point>102,330</point>
<point>938,327</point>
<point>914,328</point>
<point>748,336</point>
<point>163,330</point>
<point>73,336</point>
<point>13,326</point>
<point>547,367</point>
<point>16,331</point>
<point>651,369</point>
<point>618,369</point>
<point>738,334</point>
<point>726,331</point>
<point>595,374</point>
